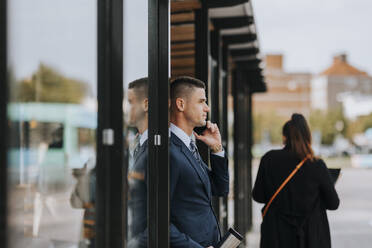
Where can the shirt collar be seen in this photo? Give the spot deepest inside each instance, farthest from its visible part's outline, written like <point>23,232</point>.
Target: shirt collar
<point>182,135</point>
<point>143,137</point>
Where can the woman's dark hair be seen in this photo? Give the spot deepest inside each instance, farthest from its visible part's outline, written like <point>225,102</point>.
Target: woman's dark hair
<point>298,136</point>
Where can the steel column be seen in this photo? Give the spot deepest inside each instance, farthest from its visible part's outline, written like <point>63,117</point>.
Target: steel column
<point>110,200</point>
<point>202,61</point>
<point>158,167</point>
<point>240,151</point>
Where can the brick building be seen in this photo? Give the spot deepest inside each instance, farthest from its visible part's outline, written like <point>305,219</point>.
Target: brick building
<point>340,80</point>
<point>287,92</point>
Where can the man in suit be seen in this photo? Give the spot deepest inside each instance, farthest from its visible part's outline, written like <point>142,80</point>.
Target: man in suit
<point>192,183</point>
<point>137,171</point>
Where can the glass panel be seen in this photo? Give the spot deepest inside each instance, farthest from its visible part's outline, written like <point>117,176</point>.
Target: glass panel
<point>136,118</point>
<point>53,117</point>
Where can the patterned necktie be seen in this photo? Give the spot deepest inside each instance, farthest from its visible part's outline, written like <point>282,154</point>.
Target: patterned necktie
<point>195,153</point>
<point>135,152</point>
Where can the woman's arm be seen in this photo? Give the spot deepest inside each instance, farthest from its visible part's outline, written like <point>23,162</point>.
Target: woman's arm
<point>259,193</point>
<point>328,192</point>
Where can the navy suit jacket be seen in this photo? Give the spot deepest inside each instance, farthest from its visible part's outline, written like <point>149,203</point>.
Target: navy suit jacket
<point>193,221</point>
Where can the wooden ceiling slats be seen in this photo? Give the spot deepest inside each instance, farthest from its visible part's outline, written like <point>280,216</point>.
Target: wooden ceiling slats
<point>189,5</point>
<point>183,46</point>
<point>188,17</point>
<point>183,62</point>
<point>183,53</point>
<point>183,72</point>
<point>183,33</point>
<point>183,37</point>
<point>181,29</point>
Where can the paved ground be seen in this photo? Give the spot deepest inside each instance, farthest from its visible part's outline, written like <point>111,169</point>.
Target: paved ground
<point>43,222</point>
<point>351,224</point>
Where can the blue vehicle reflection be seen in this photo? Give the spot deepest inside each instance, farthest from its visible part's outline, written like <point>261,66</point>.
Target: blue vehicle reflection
<point>49,141</point>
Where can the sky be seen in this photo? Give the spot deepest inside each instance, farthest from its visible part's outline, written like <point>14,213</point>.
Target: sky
<point>63,34</point>
<point>310,32</point>
<point>59,33</point>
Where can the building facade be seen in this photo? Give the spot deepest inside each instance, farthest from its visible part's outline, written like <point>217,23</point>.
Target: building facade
<point>334,85</point>
<point>288,92</point>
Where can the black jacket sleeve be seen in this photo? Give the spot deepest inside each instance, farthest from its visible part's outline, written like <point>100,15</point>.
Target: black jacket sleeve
<point>219,175</point>
<point>259,194</point>
<point>328,192</point>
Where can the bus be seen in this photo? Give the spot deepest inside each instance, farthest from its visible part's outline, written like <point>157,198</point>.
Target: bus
<point>49,140</point>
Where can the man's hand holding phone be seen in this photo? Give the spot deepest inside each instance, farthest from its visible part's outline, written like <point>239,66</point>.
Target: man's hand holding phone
<point>211,137</point>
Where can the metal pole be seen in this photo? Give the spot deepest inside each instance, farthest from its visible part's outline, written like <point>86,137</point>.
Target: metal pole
<point>158,157</point>
<point>110,200</point>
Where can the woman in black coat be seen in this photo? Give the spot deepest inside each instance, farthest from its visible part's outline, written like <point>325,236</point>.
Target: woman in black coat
<point>297,217</point>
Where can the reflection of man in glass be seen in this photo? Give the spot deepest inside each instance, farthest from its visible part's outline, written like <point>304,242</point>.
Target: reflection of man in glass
<point>137,171</point>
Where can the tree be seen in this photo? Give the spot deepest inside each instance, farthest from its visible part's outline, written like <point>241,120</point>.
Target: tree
<point>327,123</point>
<point>360,125</point>
<point>49,85</point>
<point>268,122</point>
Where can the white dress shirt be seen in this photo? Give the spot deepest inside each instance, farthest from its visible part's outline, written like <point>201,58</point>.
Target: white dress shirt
<point>143,137</point>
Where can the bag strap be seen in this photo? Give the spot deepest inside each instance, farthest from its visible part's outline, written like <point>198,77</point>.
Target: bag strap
<point>283,184</point>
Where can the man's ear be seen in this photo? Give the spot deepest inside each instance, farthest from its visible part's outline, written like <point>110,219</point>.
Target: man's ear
<point>180,104</point>
<point>145,105</point>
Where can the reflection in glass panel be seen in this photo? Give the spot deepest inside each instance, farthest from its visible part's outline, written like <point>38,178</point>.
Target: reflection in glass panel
<point>136,118</point>
<point>52,117</point>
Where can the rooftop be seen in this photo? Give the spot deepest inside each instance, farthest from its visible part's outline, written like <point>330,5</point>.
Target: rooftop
<point>341,66</point>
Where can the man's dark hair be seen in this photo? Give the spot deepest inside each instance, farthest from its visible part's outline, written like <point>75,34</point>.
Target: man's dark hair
<point>184,85</point>
<point>141,87</point>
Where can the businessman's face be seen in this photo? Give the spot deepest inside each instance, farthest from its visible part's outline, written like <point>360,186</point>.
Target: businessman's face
<point>196,108</point>
<point>136,108</point>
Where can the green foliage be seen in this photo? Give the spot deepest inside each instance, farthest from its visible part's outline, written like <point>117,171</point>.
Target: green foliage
<point>11,81</point>
<point>325,122</point>
<point>270,123</point>
<point>48,85</point>
<point>359,125</point>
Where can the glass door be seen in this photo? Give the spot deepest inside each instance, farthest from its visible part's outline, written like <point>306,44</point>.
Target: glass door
<point>52,113</point>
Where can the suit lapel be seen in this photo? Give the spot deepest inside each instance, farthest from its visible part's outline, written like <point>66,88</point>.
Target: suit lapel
<point>203,176</point>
